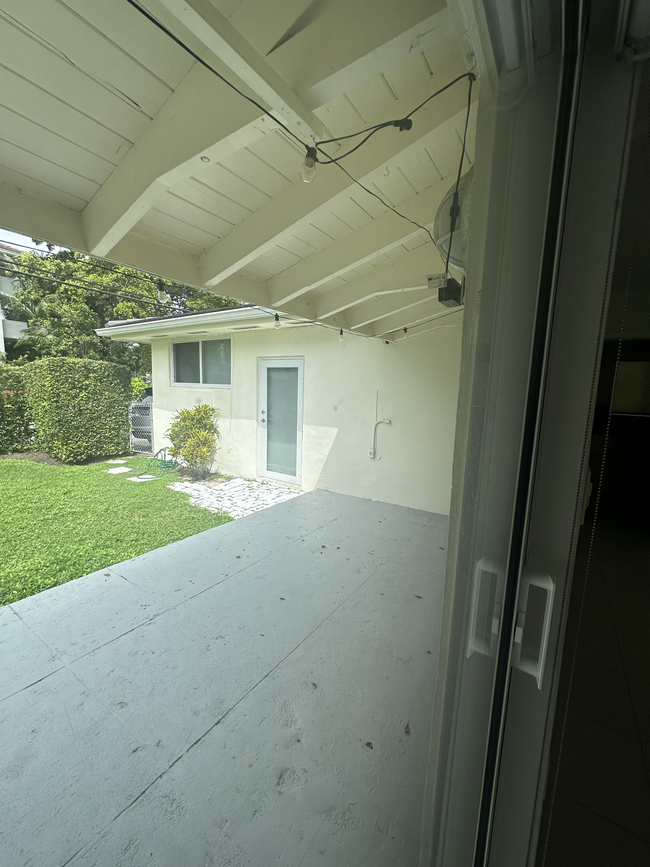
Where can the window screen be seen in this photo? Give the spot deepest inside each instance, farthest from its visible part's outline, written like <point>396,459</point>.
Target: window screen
<point>186,362</point>
<point>216,362</point>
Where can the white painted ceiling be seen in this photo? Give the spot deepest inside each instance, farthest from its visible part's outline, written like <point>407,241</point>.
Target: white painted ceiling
<point>114,140</point>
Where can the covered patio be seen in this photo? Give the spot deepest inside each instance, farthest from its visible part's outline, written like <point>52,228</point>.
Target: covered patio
<point>258,694</point>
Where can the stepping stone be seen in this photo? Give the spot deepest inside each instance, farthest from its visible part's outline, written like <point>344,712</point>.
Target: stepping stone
<point>141,478</point>
<point>117,470</point>
<point>114,461</point>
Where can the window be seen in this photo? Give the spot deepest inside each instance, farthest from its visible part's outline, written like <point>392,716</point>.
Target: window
<point>202,362</point>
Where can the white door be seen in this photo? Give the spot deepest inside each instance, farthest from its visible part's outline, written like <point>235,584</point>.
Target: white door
<point>533,325</point>
<point>280,418</point>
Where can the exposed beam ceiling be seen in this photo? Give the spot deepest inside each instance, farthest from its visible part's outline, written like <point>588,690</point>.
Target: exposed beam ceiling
<point>116,142</point>
<point>265,226</point>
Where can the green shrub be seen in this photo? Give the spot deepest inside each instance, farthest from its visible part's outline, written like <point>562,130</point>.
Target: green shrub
<point>138,386</point>
<point>80,407</point>
<point>194,434</point>
<point>15,431</point>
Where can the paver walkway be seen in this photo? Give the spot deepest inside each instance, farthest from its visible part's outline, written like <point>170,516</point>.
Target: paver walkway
<point>237,497</point>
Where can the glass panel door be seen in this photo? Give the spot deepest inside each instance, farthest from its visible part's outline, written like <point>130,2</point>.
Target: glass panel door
<point>520,144</point>
<point>280,418</point>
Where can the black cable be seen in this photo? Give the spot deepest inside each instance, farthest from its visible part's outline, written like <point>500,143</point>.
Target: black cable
<point>200,60</point>
<point>332,160</point>
<point>88,288</point>
<point>455,207</point>
<point>401,123</point>
<point>472,79</point>
<point>390,207</point>
<point>397,123</point>
<point>425,321</point>
<point>96,263</point>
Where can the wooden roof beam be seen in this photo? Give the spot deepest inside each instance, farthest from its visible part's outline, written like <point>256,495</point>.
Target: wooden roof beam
<point>203,120</point>
<point>387,305</point>
<point>406,274</point>
<point>383,233</point>
<point>321,66</point>
<point>214,30</point>
<point>389,326</point>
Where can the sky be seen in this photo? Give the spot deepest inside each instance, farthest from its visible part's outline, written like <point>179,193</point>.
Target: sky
<point>14,238</point>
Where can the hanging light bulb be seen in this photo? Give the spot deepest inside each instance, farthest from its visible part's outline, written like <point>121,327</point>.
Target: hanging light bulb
<point>341,336</point>
<point>308,167</point>
<point>405,330</point>
<point>277,321</point>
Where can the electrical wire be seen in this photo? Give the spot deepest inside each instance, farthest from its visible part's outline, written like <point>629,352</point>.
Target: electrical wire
<point>472,79</point>
<point>376,127</point>
<point>89,287</point>
<point>331,160</point>
<point>386,205</point>
<point>402,124</point>
<point>211,69</point>
<point>455,209</point>
<point>94,262</point>
<point>425,321</point>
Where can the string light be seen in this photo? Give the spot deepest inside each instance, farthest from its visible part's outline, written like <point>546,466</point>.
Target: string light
<point>341,336</point>
<point>308,167</point>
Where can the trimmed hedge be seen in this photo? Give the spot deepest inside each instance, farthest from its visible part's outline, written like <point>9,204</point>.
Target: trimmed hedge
<point>15,432</point>
<point>80,408</point>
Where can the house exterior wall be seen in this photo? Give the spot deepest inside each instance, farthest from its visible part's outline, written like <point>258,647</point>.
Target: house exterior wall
<point>415,383</point>
<point>9,328</point>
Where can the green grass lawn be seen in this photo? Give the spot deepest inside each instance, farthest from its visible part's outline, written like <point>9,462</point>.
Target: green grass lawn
<point>61,522</point>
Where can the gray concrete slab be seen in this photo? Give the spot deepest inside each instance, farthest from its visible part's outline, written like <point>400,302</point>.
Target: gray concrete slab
<point>253,714</point>
<point>25,658</point>
<point>79,616</point>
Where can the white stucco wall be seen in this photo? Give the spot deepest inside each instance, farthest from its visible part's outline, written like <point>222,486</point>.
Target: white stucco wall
<point>417,381</point>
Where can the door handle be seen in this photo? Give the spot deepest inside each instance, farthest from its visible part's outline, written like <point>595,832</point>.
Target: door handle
<point>534,663</point>
<point>485,611</point>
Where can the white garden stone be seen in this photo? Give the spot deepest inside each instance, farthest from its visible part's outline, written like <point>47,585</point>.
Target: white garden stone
<point>237,497</point>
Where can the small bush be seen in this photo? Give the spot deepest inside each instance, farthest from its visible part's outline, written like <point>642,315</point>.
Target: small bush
<point>194,434</point>
<point>138,387</point>
<point>15,431</point>
<point>80,408</point>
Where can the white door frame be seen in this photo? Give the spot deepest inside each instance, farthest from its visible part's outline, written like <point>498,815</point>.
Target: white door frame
<point>262,411</point>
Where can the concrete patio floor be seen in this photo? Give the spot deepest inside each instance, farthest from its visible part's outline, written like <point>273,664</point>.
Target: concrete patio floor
<point>237,698</point>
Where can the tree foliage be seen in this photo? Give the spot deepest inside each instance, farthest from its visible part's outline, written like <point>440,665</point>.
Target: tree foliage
<point>62,316</point>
